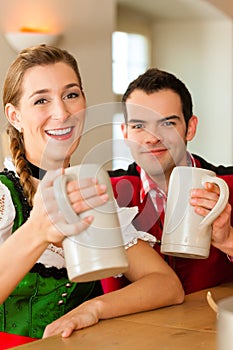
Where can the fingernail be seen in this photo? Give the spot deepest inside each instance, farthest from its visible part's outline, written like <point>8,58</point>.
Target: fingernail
<point>89,219</point>
<point>102,187</point>
<point>193,192</point>
<point>104,197</point>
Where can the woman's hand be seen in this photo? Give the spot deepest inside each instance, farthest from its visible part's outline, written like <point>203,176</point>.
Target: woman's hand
<point>45,215</point>
<point>85,315</point>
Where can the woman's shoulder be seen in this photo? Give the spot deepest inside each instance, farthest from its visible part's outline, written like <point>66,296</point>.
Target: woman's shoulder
<point>11,192</point>
<point>7,208</point>
<point>8,178</point>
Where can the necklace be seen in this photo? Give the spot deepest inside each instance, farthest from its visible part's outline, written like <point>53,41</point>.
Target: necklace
<point>36,172</point>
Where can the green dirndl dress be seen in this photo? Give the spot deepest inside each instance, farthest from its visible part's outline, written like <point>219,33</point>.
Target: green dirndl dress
<point>44,294</point>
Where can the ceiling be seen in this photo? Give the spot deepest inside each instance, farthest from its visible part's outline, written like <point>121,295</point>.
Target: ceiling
<point>175,9</point>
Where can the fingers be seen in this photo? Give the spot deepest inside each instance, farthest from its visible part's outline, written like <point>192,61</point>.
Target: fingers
<point>212,187</point>
<point>221,229</point>
<point>72,229</point>
<point>58,328</point>
<point>83,196</point>
<point>57,218</point>
<point>86,194</point>
<point>76,319</point>
<point>204,200</point>
<point>224,218</point>
<point>85,315</point>
<point>85,189</point>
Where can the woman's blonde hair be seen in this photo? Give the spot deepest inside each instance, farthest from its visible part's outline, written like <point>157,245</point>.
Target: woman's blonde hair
<point>12,92</point>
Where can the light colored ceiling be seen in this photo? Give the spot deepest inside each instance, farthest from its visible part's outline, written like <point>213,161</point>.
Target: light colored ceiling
<point>175,9</point>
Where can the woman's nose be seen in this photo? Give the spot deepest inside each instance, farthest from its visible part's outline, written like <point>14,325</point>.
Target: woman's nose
<point>60,111</point>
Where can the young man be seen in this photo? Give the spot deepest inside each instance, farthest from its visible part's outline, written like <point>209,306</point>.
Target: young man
<point>159,122</point>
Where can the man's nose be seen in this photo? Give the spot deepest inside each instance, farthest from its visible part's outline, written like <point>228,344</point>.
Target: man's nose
<point>152,136</point>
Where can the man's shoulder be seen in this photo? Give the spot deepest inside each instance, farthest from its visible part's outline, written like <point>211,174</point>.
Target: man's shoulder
<point>130,171</point>
<point>126,185</point>
<point>218,169</point>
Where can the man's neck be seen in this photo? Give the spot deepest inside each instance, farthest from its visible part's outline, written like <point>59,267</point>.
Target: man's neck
<point>162,180</point>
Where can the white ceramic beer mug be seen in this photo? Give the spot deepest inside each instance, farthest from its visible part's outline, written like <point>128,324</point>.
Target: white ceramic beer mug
<point>185,233</point>
<point>225,324</point>
<point>98,251</point>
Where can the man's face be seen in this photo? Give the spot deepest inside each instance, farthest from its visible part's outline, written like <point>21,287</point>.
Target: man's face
<point>156,132</point>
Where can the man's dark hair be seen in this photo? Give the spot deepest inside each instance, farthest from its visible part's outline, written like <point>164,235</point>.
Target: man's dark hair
<point>156,80</point>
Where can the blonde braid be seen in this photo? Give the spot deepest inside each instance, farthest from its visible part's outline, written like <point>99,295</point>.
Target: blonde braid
<point>18,157</point>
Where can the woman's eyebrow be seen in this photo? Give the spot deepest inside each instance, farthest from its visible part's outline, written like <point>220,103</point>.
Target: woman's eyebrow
<point>43,91</point>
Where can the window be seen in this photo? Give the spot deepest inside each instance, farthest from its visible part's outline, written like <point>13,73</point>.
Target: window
<point>130,54</point>
<point>120,151</point>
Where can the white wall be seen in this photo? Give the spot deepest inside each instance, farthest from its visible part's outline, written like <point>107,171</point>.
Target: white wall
<point>200,53</point>
<point>87,27</point>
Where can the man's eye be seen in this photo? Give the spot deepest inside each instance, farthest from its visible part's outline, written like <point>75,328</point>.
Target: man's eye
<point>137,126</point>
<point>169,123</point>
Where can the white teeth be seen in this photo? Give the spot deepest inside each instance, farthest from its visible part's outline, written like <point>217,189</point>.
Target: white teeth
<point>59,132</point>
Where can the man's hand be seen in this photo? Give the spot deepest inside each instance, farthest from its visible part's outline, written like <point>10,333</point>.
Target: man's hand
<point>203,201</point>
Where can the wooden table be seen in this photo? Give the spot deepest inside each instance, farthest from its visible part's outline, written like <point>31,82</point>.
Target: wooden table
<point>190,326</point>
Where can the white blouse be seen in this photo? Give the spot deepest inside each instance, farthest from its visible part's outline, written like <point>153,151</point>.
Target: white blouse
<point>54,256</point>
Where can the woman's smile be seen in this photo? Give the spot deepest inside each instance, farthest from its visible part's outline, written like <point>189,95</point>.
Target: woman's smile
<point>60,134</point>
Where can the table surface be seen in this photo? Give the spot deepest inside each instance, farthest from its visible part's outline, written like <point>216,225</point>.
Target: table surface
<point>189,326</point>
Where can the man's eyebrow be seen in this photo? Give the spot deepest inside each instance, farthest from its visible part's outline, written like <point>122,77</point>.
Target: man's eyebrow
<point>169,118</point>
<point>136,121</point>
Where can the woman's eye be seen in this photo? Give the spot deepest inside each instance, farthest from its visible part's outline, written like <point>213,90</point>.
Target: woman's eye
<point>40,101</point>
<point>72,95</point>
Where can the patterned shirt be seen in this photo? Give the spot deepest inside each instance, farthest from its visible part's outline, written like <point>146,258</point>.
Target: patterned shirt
<point>158,196</point>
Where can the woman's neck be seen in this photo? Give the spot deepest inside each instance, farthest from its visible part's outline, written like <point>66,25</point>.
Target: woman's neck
<point>36,172</point>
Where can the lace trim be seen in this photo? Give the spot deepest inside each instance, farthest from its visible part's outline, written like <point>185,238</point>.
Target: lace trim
<point>53,256</point>
<point>11,176</point>
<point>144,237</point>
<point>7,211</point>
<point>2,206</point>
<point>56,250</point>
<point>49,271</point>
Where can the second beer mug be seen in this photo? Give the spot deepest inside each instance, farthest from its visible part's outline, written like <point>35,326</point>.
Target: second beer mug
<point>185,233</point>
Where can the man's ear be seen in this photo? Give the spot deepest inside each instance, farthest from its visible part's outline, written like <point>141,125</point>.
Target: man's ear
<point>192,127</point>
<point>124,130</point>
<point>13,116</point>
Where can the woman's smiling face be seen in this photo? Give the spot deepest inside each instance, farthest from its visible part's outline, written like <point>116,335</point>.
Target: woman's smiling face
<point>51,114</point>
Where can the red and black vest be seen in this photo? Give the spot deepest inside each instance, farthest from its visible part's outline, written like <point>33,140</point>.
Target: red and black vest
<point>195,274</point>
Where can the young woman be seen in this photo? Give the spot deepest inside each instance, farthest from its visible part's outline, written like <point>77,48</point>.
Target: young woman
<point>45,106</point>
